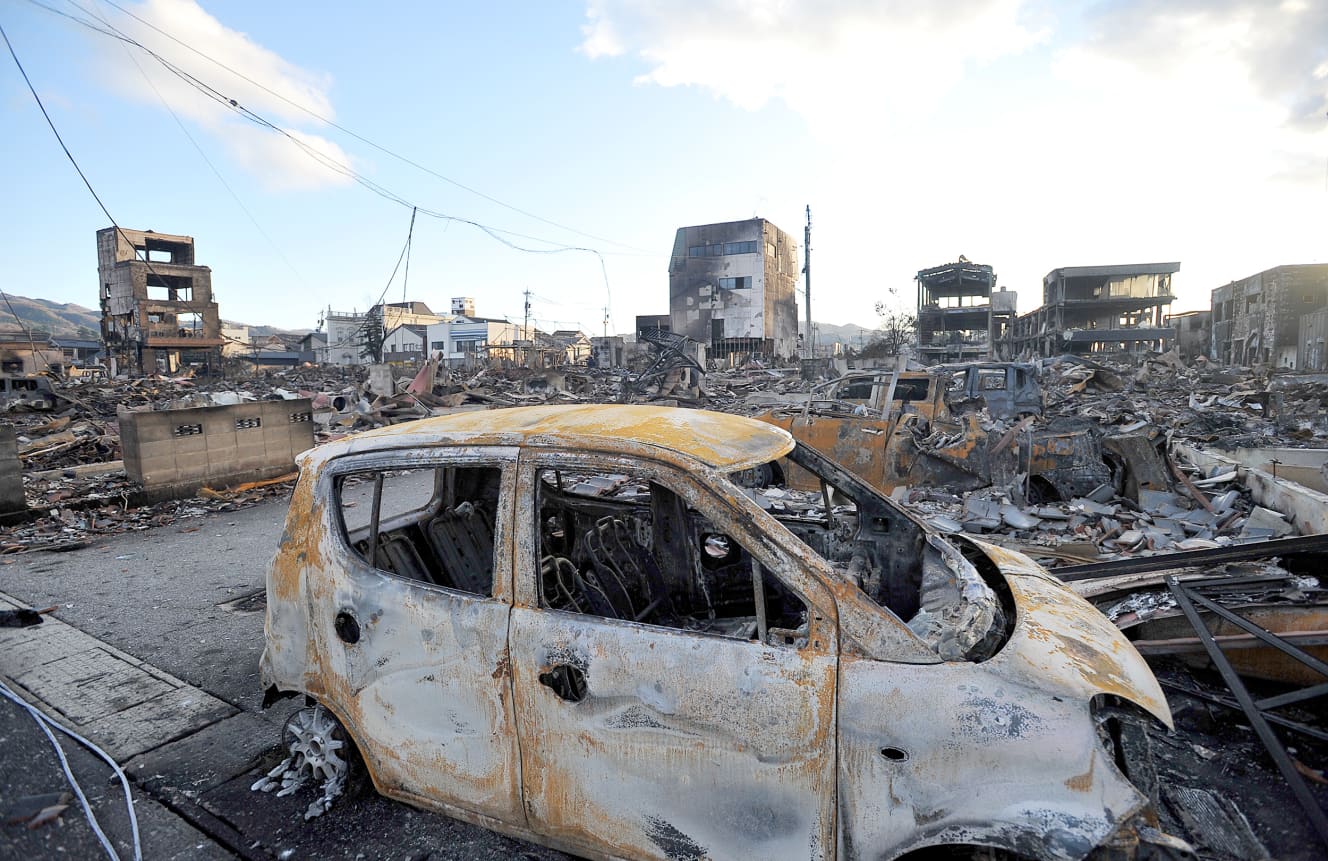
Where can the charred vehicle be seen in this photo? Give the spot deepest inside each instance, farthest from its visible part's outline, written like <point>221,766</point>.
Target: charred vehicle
<point>924,429</point>
<point>26,392</point>
<point>575,625</point>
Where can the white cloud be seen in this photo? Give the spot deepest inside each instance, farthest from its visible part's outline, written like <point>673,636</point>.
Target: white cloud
<point>1192,130</point>
<point>270,156</point>
<point>830,59</point>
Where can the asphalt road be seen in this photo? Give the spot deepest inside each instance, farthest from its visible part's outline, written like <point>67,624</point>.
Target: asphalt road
<point>187,598</point>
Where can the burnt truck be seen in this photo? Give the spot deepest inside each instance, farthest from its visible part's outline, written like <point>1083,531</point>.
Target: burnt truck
<point>930,429</point>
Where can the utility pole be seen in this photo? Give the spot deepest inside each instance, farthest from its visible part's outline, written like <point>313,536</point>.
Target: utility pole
<point>525,330</point>
<point>807,271</point>
<point>606,321</point>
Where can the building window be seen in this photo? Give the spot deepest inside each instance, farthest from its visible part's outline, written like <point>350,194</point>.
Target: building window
<point>740,283</point>
<point>770,249</point>
<point>719,250</point>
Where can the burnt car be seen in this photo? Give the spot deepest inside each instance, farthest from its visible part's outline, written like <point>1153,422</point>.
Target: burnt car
<point>576,625</point>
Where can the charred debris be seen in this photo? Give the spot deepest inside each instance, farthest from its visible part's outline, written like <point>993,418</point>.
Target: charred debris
<point>1185,499</point>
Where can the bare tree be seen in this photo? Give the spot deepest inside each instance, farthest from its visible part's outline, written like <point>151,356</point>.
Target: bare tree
<point>897,329</point>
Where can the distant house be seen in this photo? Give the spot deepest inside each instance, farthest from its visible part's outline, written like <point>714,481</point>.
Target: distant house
<point>575,345</point>
<point>29,353</point>
<point>463,341</point>
<point>275,358</point>
<point>314,346</point>
<point>80,350</point>
<point>236,341</point>
<point>405,343</point>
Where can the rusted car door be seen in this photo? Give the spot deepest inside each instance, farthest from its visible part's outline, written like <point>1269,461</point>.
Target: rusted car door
<point>418,651</point>
<point>649,741</point>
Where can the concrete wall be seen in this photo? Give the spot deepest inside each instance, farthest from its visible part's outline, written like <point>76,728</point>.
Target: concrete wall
<point>11,474</point>
<point>1312,349</point>
<point>178,451</point>
<point>1306,509</point>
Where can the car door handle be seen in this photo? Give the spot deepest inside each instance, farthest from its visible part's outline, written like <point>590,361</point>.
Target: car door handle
<point>566,681</point>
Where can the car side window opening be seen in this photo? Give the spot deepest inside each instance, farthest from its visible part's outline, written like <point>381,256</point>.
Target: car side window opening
<point>431,524</point>
<point>624,547</point>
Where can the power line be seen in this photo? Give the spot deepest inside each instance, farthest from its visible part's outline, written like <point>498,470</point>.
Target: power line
<point>49,122</point>
<point>364,139</point>
<point>165,104</point>
<point>210,92</point>
<point>405,249</point>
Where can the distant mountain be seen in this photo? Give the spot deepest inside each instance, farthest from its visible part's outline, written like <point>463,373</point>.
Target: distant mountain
<point>44,316</point>
<point>265,331</point>
<point>851,335</point>
<point>70,320</point>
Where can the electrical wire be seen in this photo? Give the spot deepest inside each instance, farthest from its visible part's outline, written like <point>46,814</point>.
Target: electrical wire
<point>215,172</point>
<point>366,140</point>
<point>351,338</point>
<point>32,342</point>
<point>49,122</point>
<point>334,165</point>
<point>46,724</point>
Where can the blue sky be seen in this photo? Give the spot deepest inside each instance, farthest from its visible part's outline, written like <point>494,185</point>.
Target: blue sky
<point>1026,135</point>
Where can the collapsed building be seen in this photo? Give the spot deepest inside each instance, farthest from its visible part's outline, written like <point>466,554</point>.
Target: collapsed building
<point>1089,309</point>
<point>157,311</point>
<point>961,316</point>
<point>1259,319</point>
<point>732,288</point>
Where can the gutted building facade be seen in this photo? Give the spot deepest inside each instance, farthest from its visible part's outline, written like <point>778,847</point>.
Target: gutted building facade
<point>1089,309</point>
<point>1258,319</point>
<point>652,322</point>
<point>732,287</point>
<point>1194,332</point>
<point>157,311</point>
<point>960,313</point>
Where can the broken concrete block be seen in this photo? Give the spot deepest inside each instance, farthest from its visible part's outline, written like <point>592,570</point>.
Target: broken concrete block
<point>1102,493</point>
<point>1017,519</point>
<point>1153,500</point>
<point>1089,506</point>
<point>1262,520</point>
<point>945,524</point>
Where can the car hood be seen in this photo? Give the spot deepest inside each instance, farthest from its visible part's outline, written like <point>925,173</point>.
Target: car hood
<point>1062,640</point>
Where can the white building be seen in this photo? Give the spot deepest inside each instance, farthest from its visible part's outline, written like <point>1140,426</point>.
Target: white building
<point>463,340</point>
<point>237,340</point>
<point>405,343</point>
<point>345,330</point>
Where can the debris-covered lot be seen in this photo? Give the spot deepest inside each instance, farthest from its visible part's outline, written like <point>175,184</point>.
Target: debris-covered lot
<point>1182,500</point>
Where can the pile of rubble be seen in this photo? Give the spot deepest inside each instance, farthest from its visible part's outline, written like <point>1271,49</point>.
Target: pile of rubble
<point>1102,524</point>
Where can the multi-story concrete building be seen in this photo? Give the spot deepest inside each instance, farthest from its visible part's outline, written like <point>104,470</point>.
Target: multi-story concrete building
<point>157,312</point>
<point>1258,319</point>
<point>1087,309</point>
<point>960,313</point>
<point>732,287</point>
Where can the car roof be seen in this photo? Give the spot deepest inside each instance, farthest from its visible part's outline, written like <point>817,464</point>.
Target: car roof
<point>720,440</point>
